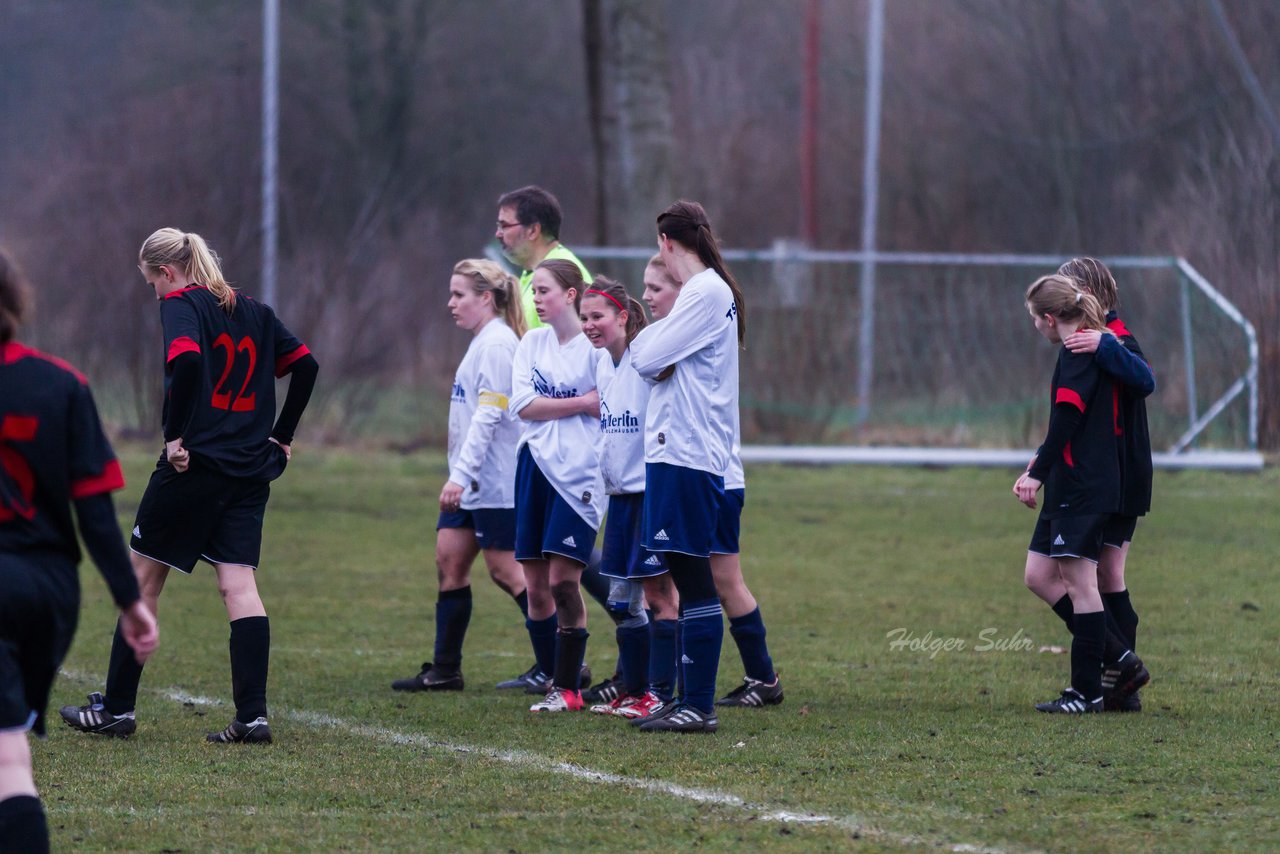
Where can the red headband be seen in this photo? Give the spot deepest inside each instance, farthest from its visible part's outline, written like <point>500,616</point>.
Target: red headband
<point>620,306</point>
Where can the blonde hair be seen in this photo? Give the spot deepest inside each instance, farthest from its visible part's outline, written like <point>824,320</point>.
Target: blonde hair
<point>488,276</point>
<point>1094,278</point>
<point>188,252</point>
<point>1059,296</point>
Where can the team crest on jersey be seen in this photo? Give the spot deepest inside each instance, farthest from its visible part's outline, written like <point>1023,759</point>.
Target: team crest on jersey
<point>546,389</point>
<point>459,393</point>
<point>624,423</point>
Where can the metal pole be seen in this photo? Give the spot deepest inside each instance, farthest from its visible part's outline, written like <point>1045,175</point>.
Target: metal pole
<point>870,200</point>
<point>1188,351</point>
<point>270,138</point>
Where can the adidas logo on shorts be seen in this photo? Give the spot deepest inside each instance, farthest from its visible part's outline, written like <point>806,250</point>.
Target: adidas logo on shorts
<point>661,536</point>
<point>1058,541</point>
<point>568,541</point>
<point>684,659</point>
<point>137,531</point>
<point>653,561</point>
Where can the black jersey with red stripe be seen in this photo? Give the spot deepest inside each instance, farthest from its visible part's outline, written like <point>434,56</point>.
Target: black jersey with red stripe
<point>1135,442</point>
<point>1085,478</point>
<point>241,355</point>
<point>52,451</point>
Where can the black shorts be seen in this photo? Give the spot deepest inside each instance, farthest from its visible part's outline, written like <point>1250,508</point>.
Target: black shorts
<point>39,606</point>
<point>1069,536</point>
<point>200,513</point>
<point>1119,530</point>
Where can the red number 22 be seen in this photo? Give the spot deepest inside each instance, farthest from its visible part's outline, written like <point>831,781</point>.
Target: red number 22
<point>222,398</point>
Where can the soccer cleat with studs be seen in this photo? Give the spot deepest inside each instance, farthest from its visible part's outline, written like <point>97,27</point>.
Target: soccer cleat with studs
<point>584,678</point>
<point>96,719</point>
<point>604,692</point>
<point>647,708</point>
<point>683,718</point>
<point>430,679</point>
<point>559,700</point>
<point>1116,703</point>
<point>236,732</point>
<point>754,693</point>
<point>1071,703</point>
<point>533,677</point>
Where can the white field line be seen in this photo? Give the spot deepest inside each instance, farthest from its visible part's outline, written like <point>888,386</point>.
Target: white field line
<point>534,762</point>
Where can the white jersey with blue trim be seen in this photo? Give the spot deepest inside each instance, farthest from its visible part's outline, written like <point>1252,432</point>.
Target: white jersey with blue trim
<point>736,476</point>
<point>624,396</point>
<point>567,450</point>
<point>692,413</point>
<point>482,433</point>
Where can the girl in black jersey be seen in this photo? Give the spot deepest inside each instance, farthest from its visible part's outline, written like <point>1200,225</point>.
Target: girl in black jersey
<point>53,454</point>
<point>1078,464</point>
<point>223,445</point>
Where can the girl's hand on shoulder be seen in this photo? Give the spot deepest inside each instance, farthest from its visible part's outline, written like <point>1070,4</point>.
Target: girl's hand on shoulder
<point>450,497</point>
<point>591,403</point>
<point>1083,341</point>
<point>1026,489</point>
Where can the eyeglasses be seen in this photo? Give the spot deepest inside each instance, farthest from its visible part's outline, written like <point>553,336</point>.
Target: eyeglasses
<point>503,226</point>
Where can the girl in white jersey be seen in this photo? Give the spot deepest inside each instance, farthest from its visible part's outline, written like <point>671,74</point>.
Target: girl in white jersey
<point>761,686</point>
<point>477,502</point>
<point>691,356</point>
<point>560,497</point>
<point>611,319</point>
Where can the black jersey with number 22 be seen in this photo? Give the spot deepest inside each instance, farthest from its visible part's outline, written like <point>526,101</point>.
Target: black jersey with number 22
<point>242,353</point>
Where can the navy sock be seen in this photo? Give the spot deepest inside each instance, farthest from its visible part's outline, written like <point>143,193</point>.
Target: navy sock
<point>22,826</point>
<point>453,615</point>
<point>749,634</point>
<point>571,648</point>
<point>662,657</point>
<point>123,675</point>
<point>1121,609</point>
<point>702,634</point>
<point>542,634</point>
<point>250,652</point>
<point>1087,644</point>
<point>522,602</point>
<point>633,655</point>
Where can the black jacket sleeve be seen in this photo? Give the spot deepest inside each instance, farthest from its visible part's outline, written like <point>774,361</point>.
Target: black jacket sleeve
<point>96,515</point>
<point>302,380</point>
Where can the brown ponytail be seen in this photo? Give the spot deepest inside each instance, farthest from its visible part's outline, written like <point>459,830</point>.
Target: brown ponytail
<point>1059,296</point>
<point>15,297</point>
<point>617,298</point>
<point>686,223</point>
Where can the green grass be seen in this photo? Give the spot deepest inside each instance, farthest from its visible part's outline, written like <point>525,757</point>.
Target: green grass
<point>899,749</point>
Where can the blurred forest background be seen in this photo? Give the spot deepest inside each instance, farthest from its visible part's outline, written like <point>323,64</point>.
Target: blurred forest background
<point>1103,127</point>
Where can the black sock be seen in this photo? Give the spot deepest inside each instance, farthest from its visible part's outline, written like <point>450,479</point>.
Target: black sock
<point>453,615</point>
<point>23,829</point>
<point>1064,610</point>
<point>1087,644</point>
<point>571,648</point>
<point>522,602</point>
<point>1121,609</point>
<point>250,651</point>
<point>123,675</point>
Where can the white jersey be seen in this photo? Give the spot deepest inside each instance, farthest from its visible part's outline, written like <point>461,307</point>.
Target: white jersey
<point>624,396</point>
<point>482,433</point>
<point>691,416</point>
<point>567,450</point>
<point>736,476</point>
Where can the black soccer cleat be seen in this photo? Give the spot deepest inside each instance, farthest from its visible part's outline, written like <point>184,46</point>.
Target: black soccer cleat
<point>1132,675</point>
<point>606,691</point>
<point>96,719</point>
<point>753,693</point>
<point>529,679</point>
<point>1115,703</point>
<point>256,732</point>
<point>430,679</point>
<point>584,678</point>
<point>683,718</point>
<point>1071,703</point>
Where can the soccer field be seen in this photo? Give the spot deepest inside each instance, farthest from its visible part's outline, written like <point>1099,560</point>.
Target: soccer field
<point>880,746</point>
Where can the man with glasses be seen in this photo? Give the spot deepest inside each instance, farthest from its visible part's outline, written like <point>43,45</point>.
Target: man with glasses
<point>529,233</point>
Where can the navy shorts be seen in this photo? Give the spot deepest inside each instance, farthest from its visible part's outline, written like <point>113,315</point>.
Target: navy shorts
<point>1119,530</point>
<point>681,509</point>
<point>624,557</point>
<point>1069,536</point>
<point>729,527</point>
<point>545,523</point>
<point>39,606</point>
<point>495,527</point>
<point>200,514</point>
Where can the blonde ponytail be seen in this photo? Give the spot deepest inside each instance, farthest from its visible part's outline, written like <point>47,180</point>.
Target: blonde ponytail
<point>486,275</point>
<point>189,252</point>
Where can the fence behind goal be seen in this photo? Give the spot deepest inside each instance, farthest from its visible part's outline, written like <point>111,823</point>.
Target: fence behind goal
<point>934,358</point>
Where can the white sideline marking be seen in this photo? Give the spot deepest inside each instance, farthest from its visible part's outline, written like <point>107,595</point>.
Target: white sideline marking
<point>535,762</point>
